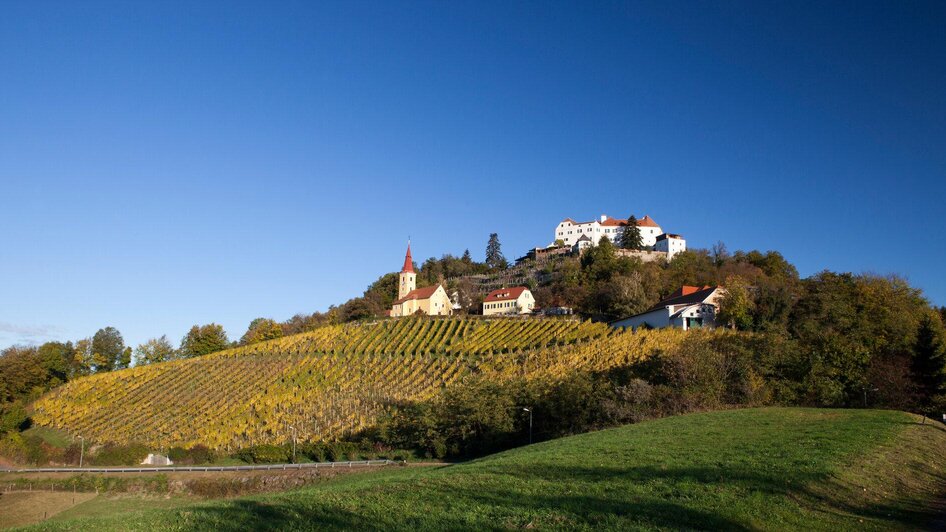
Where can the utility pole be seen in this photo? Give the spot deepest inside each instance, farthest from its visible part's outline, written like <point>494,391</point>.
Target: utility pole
<point>293,443</point>
<point>81,450</point>
<point>529,410</point>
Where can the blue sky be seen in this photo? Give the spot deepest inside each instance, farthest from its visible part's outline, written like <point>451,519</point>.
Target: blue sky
<point>164,164</point>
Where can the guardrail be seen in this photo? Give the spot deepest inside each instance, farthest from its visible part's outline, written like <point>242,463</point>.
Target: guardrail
<point>178,469</point>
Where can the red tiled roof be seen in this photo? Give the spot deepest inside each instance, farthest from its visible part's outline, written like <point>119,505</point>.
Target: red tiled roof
<point>686,295</point>
<point>408,262</point>
<point>686,290</point>
<point>613,222</point>
<point>647,221</point>
<point>418,293</point>
<point>505,294</point>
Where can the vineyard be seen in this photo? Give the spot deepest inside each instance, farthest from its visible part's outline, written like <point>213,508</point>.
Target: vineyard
<point>326,383</point>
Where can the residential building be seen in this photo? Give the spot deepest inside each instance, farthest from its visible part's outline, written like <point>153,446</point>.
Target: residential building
<point>515,300</point>
<point>569,231</point>
<point>430,300</point>
<point>691,307</point>
<point>582,244</point>
<point>670,244</point>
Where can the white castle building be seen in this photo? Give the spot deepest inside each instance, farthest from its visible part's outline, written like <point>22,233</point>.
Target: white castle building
<point>652,236</point>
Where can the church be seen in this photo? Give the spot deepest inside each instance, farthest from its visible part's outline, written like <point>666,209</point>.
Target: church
<point>430,300</point>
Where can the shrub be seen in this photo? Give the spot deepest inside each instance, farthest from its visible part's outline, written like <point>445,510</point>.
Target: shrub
<point>264,454</point>
<point>342,451</point>
<point>315,451</point>
<point>114,454</point>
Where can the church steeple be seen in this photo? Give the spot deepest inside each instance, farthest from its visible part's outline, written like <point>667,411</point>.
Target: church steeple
<point>408,261</point>
<point>407,277</point>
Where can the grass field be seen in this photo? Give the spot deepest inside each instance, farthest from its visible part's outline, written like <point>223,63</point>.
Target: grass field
<point>771,469</point>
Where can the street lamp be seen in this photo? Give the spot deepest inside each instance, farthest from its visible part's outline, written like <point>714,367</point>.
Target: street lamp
<point>81,449</point>
<point>529,410</point>
<point>293,429</point>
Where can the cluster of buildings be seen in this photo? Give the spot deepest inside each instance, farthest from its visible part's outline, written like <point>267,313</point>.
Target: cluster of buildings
<point>691,307</point>
<point>581,235</point>
<point>434,301</point>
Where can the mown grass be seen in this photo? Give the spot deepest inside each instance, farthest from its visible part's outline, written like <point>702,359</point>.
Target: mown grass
<point>771,469</point>
<point>54,437</point>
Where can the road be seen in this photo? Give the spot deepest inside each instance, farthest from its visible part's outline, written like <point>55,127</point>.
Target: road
<point>178,469</point>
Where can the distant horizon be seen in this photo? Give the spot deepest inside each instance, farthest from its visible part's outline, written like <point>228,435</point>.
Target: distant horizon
<point>176,164</point>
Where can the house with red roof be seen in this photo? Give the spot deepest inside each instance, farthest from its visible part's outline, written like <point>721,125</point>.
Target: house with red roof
<point>515,300</point>
<point>690,307</point>
<point>430,300</point>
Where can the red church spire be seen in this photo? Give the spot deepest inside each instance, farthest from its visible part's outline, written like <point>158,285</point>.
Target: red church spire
<point>408,261</point>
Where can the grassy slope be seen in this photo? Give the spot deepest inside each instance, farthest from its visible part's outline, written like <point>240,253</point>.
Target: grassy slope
<point>765,468</point>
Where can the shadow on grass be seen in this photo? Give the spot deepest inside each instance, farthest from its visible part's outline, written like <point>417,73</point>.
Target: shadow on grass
<point>508,509</point>
<point>815,492</point>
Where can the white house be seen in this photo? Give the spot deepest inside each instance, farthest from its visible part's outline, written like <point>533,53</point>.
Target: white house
<point>670,244</point>
<point>691,307</point>
<point>569,231</point>
<point>515,300</point>
<point>581,244</point>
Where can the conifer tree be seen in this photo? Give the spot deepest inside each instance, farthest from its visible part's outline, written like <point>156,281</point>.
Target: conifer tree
<point>631,235</point>
<point>494,254</point>
<point>929,361</point>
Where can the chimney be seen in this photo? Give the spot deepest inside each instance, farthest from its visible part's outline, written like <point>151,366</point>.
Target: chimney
<point>604,217</point>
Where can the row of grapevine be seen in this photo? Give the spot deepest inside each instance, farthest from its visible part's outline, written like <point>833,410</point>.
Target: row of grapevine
<point>329,382</point>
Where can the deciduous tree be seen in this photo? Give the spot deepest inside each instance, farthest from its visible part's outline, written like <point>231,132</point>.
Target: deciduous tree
<point>154,351</point>
<point>107,347</point>
<point>203,340</point>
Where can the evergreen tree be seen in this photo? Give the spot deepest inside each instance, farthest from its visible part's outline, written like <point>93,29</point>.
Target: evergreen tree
<point>467,258</point>
<point>929,361</point>
<point>631,235</point>
<point>494,255</point>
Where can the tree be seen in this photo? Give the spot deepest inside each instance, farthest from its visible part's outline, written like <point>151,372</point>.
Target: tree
<point>494,254</point>
<point>467,258</point>
<point>81,363</point>
<point>720,253</point>
<point>631,235</point>
<point>107,347</point>
<point>929,362</point>
<point>623,296</point>
<point>736,306</point>
<point>154,351</point>
<point>124,360</point>
<point>203,340</point>
<point>260,330</point>
<point>56,358</point>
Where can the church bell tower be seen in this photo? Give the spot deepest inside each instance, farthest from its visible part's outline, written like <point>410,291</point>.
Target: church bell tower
<point>408,279</point>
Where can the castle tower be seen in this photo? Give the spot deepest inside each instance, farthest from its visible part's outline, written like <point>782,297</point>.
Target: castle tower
<point>408,279</point>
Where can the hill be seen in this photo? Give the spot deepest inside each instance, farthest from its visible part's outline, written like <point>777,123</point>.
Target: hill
<point>326,383</point>
<point>771,469</point>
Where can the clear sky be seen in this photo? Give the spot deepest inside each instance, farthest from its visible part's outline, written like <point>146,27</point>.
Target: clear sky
<point>164,164</point>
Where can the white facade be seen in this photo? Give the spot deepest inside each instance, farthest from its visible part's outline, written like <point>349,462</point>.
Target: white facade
<point>670,244</point>
<point>516,300</point>
<point>569,231</point>
<point>684,317</point>
<point>689,311</point>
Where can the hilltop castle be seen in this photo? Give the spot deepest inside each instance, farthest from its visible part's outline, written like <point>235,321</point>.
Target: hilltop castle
<point>430,300</point>
<point>582,234</point>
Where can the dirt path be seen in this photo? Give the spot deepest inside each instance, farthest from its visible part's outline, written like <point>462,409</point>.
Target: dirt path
<point>18,508</point>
